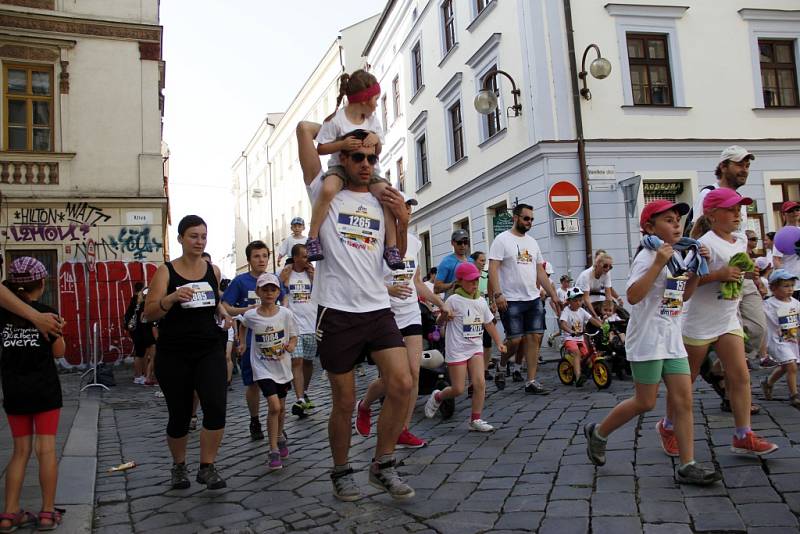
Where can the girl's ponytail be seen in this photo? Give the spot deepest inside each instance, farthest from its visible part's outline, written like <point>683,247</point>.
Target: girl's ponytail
<point>344,82</point>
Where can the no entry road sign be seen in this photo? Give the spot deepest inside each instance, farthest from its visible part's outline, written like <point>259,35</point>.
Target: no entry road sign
<point>564,199</point>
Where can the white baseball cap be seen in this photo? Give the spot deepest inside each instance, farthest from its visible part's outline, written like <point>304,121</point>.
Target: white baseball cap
<point>735,153</point>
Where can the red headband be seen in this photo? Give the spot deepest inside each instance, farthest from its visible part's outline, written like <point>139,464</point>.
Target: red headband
<point>365,94</point>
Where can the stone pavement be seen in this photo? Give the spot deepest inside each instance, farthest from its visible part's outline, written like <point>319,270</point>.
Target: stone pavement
<point>531,474</point>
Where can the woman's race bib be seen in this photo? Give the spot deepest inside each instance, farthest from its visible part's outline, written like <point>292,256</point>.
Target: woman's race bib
<point>358,223</point>
<point>672,301</point>
<point>202,295</point>
<point>787,319</point>
<point>269,344</point>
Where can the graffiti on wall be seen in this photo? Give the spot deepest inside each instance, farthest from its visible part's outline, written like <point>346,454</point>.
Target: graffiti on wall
<point>54,224</point>
<point>110,291</point>
<point>45,233</point>
<point>130,242</point>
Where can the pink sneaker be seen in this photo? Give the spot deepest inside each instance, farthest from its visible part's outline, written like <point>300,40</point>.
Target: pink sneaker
<point>363,419</point>
<point>407,440</point>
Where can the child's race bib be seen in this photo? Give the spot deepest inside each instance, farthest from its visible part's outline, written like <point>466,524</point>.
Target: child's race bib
<point>202,295</point>
<point>300,291</point>
<point>269,345</point>
<point>787,319</point>
<point>358,223</point>
<point>472,327</point>
<point>672,301</point>
<point>403,277</point>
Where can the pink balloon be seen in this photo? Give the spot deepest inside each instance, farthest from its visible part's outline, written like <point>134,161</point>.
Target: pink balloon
<point>787,238</point>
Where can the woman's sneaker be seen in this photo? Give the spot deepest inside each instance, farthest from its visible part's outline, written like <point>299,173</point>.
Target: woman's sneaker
<point>432,405</point>
<point>344,485</point>
<point>699,476</point>
<point>283,448</point>
<point>752,444</point>
<point>363,419</point>
<point>180,476</point>
<point>209,476</point>
<point>668,440</point>
<point>385,477</point>
<point>479,425</point>
<point>275,462</point>
<point>407,440</point>
<point>314,249</point>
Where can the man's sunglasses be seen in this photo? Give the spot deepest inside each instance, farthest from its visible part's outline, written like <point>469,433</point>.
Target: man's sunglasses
<point>526,219</point>
<point>358,157</point>
<point>463,242</point>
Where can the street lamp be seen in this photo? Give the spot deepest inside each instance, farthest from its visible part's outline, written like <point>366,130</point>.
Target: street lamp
<point>486,99</point>
<point>599,68</point>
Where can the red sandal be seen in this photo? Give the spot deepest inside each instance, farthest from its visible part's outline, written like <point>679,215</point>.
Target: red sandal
<point>19,519</point>
<point>54,517</point>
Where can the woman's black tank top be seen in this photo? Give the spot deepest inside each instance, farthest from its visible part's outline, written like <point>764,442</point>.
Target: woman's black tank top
<point>191,323</point>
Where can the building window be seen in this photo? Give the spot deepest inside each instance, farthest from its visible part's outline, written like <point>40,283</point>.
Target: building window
<point>416,63</point>
<point>456,131</point>
<point>493,119</point>
<point>384,113</point>
<point>425,237</point>
<point>401,176</point>
<point>448,25</point>
<point>651,82</point>
<point>422,160</point>
<point>28,107</point>
<point>396,95</point>
<point>778,73</point>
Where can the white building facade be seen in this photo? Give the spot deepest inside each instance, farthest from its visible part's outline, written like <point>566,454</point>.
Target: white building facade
<point>82,167</point>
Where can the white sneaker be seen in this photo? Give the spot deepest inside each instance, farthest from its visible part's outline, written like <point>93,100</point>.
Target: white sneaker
<point>479,425</point>
<point>139,380</point>
<point>432,406</point>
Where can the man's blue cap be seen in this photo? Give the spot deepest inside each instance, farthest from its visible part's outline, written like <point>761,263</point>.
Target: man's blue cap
<point>781,274</point>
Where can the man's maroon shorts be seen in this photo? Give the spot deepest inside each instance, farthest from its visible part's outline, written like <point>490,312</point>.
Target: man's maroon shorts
<point>344,338</point>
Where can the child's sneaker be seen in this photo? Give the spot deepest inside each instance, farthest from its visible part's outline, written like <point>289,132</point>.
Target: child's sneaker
<point>595,447</point>
<point>393,258</point>
<point>479,425</point>
<point>752,444</point>
<point>794,400</point>
<point>283,448</point>
<point>408,440</point>
<point>432,405</point>
<point>385,477</point>
<point>580,381</point>
<point>668,440</point>
<point>275,461</point>
<point>363,419</point>
<point>139,380</point>
<point>766,388</point>
<point>314,249</point>
<point>699,476</point>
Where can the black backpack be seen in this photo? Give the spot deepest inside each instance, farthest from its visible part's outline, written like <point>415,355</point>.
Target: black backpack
<point>687,228</point>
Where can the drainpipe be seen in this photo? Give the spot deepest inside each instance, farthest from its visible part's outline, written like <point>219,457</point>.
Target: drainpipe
<point>271,215</point>
<point>576,101</point>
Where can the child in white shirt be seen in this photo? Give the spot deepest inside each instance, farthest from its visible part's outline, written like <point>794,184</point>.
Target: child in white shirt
<point>782,327</point>
<point>464,345</point>
<point>573,321</point>
<point>274,339</point>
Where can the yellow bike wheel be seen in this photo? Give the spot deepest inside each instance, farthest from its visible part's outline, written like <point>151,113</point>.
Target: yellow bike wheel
<point>601,375</point>
<point>565,372</point>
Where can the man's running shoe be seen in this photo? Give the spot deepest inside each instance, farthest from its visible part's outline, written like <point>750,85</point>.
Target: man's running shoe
<point>180,476</point>
<point>209,476</point>
<point>668,440</point>
<point>314,249</point>
<point>753,445</point>
<point>516,376</point>
<point>500,380</point>
<point>385,477</point>
<point>595,447</point>
<point>299,409</point>
<point>255,429</point>
<point>432,405</point>
<point>479,425</point>
<point>344,485</point>
<point>363,419</point>
<point>407,440</point>
<point>697,475</point>
<point>309,405</point>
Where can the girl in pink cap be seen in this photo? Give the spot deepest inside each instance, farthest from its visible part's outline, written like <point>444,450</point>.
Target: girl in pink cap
<point>464,345</point>
<point>31,396</point>
<point>713,317</point>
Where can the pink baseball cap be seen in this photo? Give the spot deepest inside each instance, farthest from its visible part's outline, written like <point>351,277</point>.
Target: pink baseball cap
<point>722,197</point>
<point>266,279</point>
<point>467,271</point>
<point>660,206</point>
<point>26,269</point>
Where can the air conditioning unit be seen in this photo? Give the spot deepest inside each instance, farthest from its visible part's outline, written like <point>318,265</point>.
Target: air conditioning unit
<point>257,192</point>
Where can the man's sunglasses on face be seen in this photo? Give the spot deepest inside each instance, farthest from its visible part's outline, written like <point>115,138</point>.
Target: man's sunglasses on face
<point>358,157</point>
<point>526,218</point>
<point>463,242</point>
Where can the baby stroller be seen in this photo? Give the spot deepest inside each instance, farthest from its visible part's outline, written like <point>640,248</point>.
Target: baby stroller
<point>611,344</point>
<point>431,375</point>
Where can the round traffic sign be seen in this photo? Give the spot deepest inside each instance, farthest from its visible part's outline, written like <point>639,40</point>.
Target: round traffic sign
<point>564,199</point>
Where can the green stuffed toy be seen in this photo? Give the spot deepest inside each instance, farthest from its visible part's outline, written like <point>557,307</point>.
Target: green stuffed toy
<point>733,290</point>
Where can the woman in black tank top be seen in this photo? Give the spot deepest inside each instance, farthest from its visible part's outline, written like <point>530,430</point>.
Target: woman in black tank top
<point>190,350</point>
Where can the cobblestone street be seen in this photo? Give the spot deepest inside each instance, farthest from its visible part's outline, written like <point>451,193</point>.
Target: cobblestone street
<point>531,473</point>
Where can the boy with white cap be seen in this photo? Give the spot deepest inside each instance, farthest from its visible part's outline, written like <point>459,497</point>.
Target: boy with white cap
<point>274,339</point>
<point>782,330</point>
<point>297,238</point>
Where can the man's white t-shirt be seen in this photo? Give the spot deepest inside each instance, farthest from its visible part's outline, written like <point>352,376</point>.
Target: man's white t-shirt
<point>406,311</point>
<point>350,278</point>
<point>299,302</point>
<point>654,330</point>
<point>518,257</point>
<point>697,210</point>
<point>285,248</point>
<point>782,329</point>
<point>708,316</point>
<point>587,282</point>
<point>268,356</point>
<point>340,125</point>
<point>464,332</point>
<point>576,320</point>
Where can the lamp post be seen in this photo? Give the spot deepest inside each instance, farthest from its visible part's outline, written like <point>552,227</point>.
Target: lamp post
<point>599,68</point>
<point>486,99</point>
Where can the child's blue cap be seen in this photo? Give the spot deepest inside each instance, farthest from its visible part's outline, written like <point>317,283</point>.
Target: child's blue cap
<point>781,274</point>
